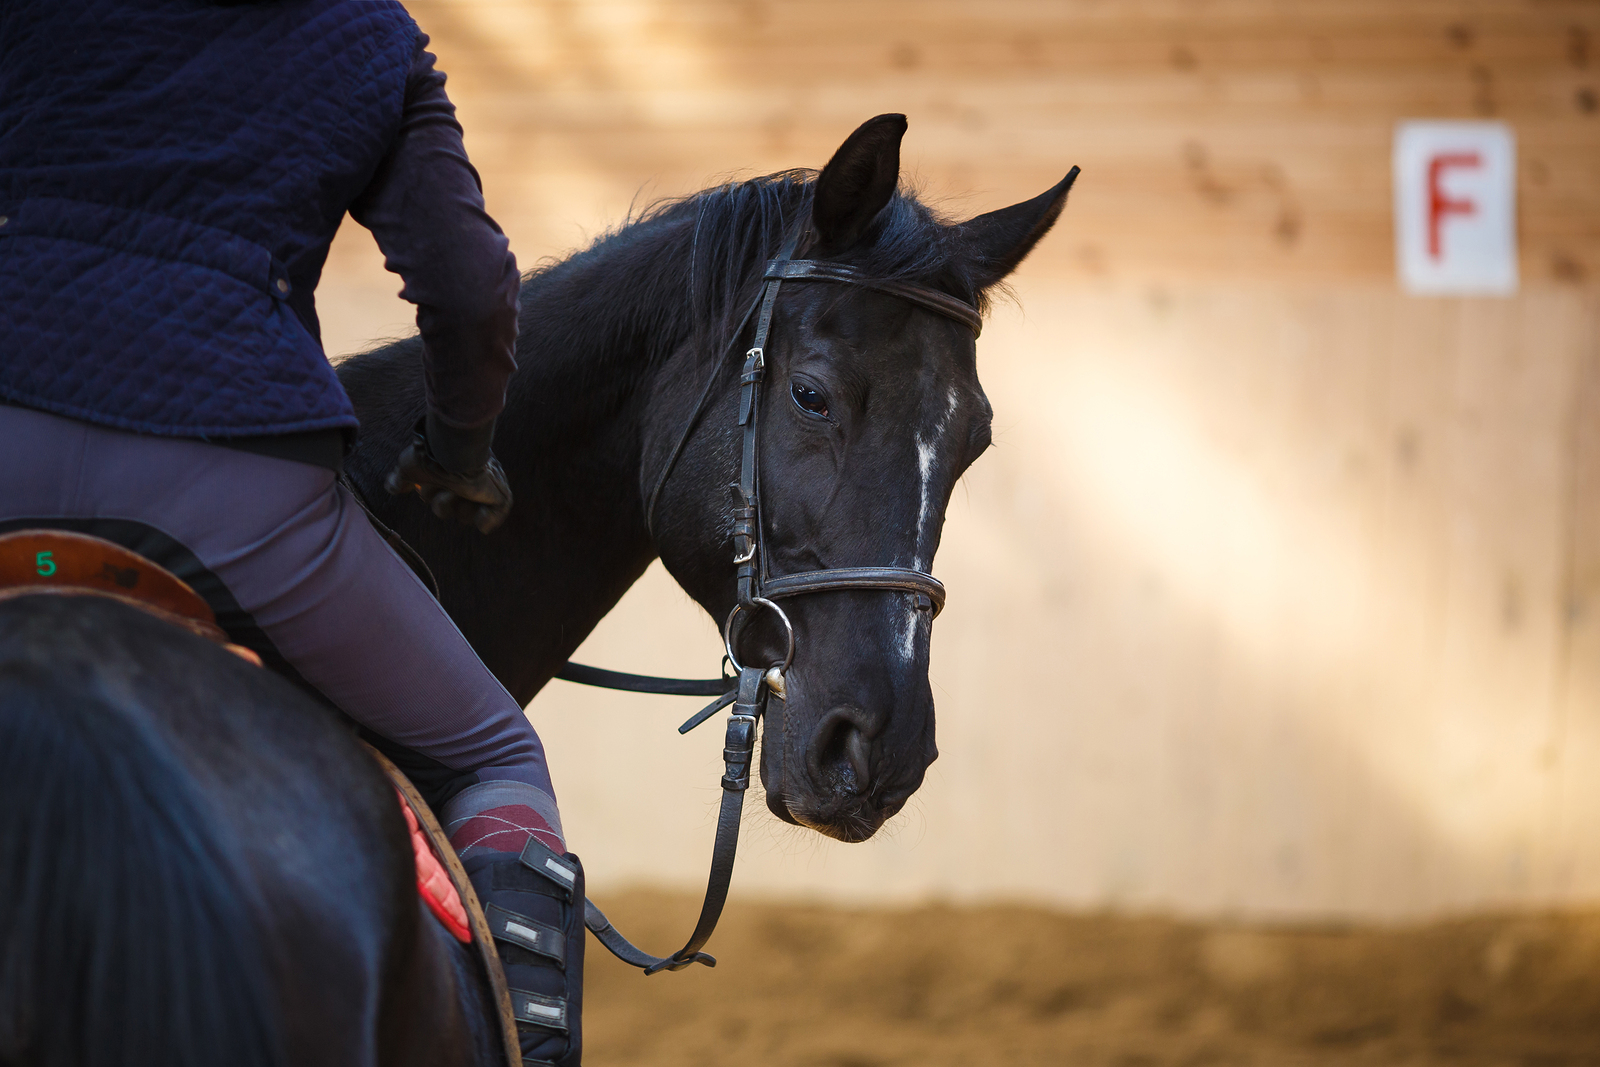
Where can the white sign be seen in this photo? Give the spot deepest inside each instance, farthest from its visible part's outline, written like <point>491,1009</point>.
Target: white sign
<point>1455,208</point>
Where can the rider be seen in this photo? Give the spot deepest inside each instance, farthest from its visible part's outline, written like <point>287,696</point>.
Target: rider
<point>171,175</point>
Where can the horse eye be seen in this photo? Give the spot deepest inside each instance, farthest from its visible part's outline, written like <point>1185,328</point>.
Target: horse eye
<point>809,400</point>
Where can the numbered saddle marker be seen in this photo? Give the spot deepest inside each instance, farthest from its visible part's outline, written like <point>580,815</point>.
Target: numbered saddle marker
<point>69,563</point>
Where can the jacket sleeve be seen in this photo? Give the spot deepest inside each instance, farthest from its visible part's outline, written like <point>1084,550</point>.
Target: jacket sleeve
<point>425,207</point>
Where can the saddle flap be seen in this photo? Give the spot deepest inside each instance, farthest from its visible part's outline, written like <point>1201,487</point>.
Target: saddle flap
<point>70,563</point>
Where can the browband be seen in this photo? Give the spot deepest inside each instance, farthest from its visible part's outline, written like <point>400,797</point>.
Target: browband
<point>926,296</point>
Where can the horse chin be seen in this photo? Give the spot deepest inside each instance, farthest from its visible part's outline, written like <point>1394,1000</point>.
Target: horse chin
<point>780,807</point>
<point>850,823</point>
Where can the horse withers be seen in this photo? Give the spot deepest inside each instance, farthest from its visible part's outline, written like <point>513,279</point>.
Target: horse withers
<point>872,410</point>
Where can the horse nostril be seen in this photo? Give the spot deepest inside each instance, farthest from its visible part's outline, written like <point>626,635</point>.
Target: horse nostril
<point>840,755</point>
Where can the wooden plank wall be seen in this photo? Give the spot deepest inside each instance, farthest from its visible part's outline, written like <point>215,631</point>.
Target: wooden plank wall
<point>1280,594</point>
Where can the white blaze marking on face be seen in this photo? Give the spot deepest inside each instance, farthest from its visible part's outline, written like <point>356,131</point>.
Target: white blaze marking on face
<point>925,468</point>
<point>927,452</point>
<point>908,636</point>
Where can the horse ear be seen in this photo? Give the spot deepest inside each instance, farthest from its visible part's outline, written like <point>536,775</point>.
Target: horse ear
<point>857,182</point>
<point>1002,239</point>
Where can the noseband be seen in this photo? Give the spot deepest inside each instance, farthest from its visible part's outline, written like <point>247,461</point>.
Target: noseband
<point>757,588</point>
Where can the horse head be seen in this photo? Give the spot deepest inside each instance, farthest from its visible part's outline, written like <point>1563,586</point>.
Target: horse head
<point>871,410</point>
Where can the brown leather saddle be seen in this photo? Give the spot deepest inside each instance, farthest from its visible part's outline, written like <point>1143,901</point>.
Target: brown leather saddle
<point>64,563</point>
<point>75,564</point>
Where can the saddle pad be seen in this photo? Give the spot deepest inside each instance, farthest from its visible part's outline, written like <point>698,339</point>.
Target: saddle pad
<point>420,819</point>
<point>433,884</point>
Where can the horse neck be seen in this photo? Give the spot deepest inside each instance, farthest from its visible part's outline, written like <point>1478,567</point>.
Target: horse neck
<point>595,334</point>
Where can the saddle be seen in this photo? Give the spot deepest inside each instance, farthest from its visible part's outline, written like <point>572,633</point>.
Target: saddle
<point>64,563</point>
<point>73,564</point>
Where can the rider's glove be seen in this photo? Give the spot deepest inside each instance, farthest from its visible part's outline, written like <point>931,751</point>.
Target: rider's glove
<point>455,474</point>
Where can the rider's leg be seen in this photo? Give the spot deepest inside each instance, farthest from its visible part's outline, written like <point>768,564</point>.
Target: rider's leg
<point>299,556</point>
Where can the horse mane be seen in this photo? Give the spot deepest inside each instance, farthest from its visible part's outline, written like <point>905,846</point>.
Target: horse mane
<point>684,269</point>
<point>598,321</point>
<point>719,237</point>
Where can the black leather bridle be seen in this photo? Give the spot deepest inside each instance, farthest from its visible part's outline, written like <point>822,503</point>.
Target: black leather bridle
<point>757,589</point>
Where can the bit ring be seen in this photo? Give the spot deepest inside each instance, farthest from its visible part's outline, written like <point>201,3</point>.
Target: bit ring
<point>729,634</point>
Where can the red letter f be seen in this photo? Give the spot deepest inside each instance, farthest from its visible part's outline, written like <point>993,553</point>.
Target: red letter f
<point>1439,204</point>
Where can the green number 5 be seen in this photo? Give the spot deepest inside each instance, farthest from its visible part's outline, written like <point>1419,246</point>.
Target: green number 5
<point>45,565</point>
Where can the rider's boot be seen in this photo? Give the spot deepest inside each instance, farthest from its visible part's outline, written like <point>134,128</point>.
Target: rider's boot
<point>533,898</point>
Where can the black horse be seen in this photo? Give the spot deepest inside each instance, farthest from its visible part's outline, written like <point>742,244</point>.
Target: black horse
<point>872,412</point>
<point>199,865</point>
<point>197,862</point>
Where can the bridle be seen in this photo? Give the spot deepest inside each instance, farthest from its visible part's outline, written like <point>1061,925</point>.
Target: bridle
<point>755,584</point>
<point>757,587</point>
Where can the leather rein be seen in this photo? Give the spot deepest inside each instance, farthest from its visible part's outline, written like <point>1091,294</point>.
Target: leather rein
<point>748,688</point>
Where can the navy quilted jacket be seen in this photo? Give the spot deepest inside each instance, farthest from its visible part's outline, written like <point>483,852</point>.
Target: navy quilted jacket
<point>171,175</point>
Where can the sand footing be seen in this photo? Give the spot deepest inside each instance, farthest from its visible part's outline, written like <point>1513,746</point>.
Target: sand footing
<point>813,986</point>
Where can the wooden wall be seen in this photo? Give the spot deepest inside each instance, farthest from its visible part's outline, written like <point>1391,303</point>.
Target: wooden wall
<point>1280,594</point>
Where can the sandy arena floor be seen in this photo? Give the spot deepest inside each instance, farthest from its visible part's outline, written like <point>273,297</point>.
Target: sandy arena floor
<point>829,987</point>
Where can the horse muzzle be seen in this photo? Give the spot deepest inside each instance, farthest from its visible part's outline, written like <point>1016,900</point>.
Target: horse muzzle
<point>833,776</point>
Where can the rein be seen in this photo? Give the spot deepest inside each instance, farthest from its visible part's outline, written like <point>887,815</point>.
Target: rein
<point>747,690</point>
